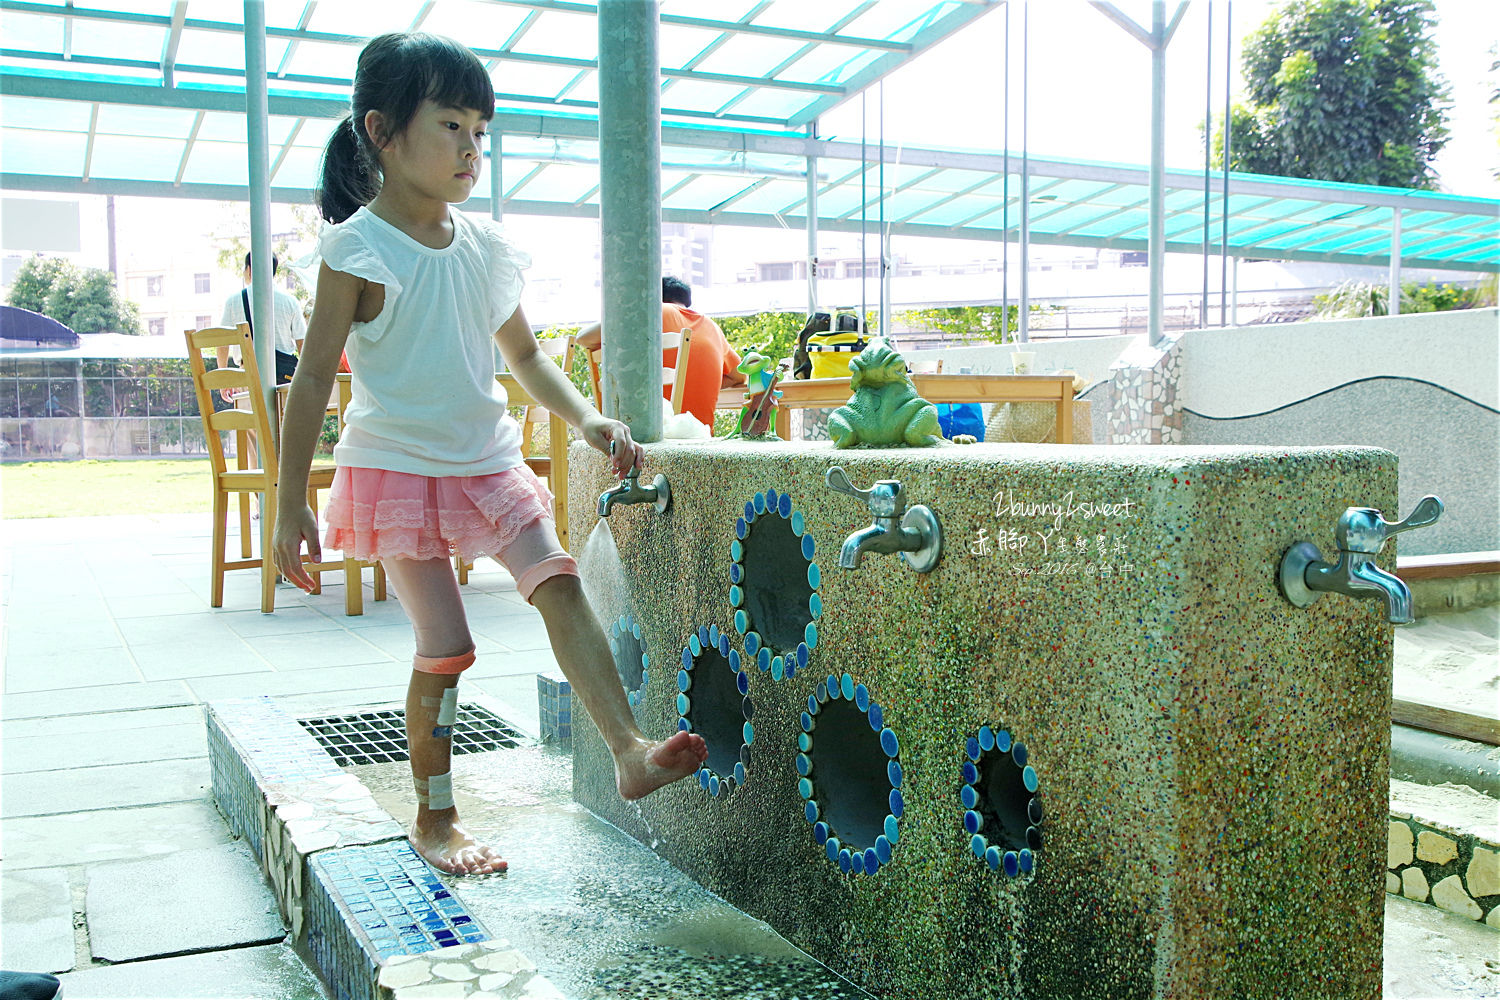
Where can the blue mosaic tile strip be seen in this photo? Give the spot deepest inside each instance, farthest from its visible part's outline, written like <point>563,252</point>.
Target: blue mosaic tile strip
<point>368,903</point>
<point>234,788</point>
<point>555,709</point>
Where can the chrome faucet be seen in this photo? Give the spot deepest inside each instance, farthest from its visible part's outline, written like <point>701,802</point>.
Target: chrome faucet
<point>631,491</point>
<point>1360,534</point>
<point>914,532</point>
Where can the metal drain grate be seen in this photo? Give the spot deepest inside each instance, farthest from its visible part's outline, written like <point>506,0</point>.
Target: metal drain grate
<point>380,737</point>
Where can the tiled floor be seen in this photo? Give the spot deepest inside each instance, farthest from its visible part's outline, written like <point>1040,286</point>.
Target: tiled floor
<point>110,650</point>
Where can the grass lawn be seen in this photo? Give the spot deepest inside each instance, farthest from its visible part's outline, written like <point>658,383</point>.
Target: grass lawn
<point>90,488</point>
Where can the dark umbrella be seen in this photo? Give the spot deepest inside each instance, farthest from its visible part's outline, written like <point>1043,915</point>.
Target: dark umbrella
<point>23,325</point>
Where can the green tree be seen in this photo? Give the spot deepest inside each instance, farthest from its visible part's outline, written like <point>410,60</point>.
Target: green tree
<point>771,334</point>
<point>83,299</point>
<point>1342,90</point>
<point>967,324</point>
<point>34,281</point>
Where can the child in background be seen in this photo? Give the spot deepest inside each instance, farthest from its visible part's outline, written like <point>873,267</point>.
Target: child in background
<point>429,458</point>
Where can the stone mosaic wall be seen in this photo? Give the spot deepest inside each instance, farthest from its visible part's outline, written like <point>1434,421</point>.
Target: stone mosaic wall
<point>1143,394</point>
<point>1456,871</point>
<point>1100,681</point>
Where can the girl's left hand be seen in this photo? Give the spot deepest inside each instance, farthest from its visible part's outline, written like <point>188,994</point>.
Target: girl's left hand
<point>613,438</point>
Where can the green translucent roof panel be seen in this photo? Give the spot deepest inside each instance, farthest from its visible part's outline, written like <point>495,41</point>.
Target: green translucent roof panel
<point>118,97</point>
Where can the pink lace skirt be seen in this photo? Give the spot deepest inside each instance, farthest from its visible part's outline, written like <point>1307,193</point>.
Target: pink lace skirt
<point>377,514</point>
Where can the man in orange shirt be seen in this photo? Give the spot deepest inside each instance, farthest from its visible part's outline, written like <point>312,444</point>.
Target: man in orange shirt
<point>711,363</point>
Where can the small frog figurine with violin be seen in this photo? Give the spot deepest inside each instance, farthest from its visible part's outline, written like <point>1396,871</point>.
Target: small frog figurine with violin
<point>758,415</point>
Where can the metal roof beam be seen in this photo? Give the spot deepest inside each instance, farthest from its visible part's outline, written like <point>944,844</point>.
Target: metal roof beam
<point>286,147</point>
<point>67,44</point>
<point>530,176</point>
<point>995,208</point>
<point>1247,231</point>
<point>174,39</point>
<point>716,210</point>
<point>421,15</point>
<point>187,149</point>
<point>88,150</point>
<point>786,63</point>
<point>291,47</point>
<point>717,44</point>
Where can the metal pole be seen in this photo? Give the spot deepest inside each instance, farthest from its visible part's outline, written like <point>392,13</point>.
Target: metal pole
<point>885,237</point>
<point>812,226</point>
<point>1024,325</point>
<point>262,305</point>
<point>1005,189</point>
<point>1208,146</point>
<point>1394,290</point>
<point>630,213</point>
<point>497,180</point>
<point>864,206</point>
<point>1224,204</point>
<point>1156,259</point>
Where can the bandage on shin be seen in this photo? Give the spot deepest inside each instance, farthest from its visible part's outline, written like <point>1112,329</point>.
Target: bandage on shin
<point>442,664</point>
<point>446,714</point>
<point>435,792</point>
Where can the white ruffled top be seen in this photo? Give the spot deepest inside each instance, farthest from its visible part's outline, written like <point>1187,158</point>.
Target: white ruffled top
<point>425,399</point>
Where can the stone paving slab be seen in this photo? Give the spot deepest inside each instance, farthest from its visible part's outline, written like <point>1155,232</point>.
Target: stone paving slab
<point>336,649</point>
<point>271,972</point>
<point>26,673</point>
<point>112,834</point>
<point>173,660</point>
<point>74,726</point>
<point>87,700</point>
<point>88,788</point>
<point>213,897</point>
<point>36,909</point>
<point>129,746</point>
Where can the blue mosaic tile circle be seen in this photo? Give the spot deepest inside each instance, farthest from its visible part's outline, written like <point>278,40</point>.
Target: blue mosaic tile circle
<point>991,757</point>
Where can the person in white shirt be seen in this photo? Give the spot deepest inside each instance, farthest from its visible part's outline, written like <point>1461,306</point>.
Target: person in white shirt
<point>288,325</point>
<point>429,461</point>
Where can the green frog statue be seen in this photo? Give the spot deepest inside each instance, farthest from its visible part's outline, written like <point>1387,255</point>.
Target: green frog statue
<point>758,414</point>
<point>885,409</point>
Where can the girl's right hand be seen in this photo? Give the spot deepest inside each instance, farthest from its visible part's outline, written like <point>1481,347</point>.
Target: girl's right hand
<point>292,529</point>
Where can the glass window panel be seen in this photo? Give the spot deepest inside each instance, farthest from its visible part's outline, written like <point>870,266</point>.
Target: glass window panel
<point>751,55</point>
<point>559,182</point>
<point>9,404</point>
<point>692,95</point>
<point>774,104</point>
<point>483,25</point>
<point>723,10</point>
<point>324,59</point>
<point>130,397</point>
<point>342,16</point>
<point>774,197</point>
<point>300,169</point>
<point>707,191</point>
<point>586,91</point>
<point>136,159</point>
<point>40,152</point>
<point>558,33</point>
<point>314,131</point>
<point>830,64</point>
<point>531,79</point>
<point>900,22</point>
<point>32,395</point>
<point>130,120</point>
<point>31,112</point>
<point>676,46</point>
<point>279,13</point>
<point>41,33</point>
<point>217,163</point>
<point>223,49</point>
<point>809,16</point>
<point>114,40</point>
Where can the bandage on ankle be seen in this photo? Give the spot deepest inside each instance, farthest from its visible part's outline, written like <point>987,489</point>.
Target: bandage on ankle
<point>439,791</point>
<point>442,664</point>
<point>447,712</point>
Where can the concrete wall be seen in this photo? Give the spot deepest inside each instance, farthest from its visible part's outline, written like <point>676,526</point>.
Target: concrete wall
<point>1426,387</point>
<point>1203,804</point>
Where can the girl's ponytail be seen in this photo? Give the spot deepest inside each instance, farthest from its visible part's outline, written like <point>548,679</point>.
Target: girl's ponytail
<point>349,179</point>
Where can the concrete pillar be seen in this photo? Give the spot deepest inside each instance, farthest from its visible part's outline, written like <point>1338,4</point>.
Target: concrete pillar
<point>630,213</point>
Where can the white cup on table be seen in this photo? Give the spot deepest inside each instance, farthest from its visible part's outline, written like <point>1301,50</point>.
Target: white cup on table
<point>1022,362</point>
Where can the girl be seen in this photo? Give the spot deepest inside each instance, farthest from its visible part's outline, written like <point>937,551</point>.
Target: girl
<point>429,457</point>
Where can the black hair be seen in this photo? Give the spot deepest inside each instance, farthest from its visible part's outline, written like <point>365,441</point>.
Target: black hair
<point>395,74</point>
<point>676,291</point>
<point>275,264</point>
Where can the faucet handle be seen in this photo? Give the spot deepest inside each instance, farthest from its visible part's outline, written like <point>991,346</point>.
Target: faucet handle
<point>886,498</point>
<point>1365,529</point>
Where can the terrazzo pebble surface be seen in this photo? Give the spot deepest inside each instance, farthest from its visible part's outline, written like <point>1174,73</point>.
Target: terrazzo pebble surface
<point>1114,610</point>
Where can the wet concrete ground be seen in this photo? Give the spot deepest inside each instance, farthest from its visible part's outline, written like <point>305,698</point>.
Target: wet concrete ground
<point>604,917</point>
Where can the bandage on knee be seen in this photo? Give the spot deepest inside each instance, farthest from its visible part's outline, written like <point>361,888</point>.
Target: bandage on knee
<point>442,664</point>
<point>447,712</point>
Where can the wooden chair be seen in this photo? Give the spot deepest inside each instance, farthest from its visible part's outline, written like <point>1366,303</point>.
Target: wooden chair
<point>226,481</point>
<point>676,376</point>
<point>551,465</point>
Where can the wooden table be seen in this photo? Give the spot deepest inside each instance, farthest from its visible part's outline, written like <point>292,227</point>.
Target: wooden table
<point>802,394</point>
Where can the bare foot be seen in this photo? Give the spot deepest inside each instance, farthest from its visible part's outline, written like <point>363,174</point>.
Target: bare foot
<point>648,766</point>
<point>448,847</point>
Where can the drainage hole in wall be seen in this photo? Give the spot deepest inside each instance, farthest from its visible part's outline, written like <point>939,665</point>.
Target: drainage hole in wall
<point>777,590</point>
<point>713,705</point>
<point>850,774</point>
